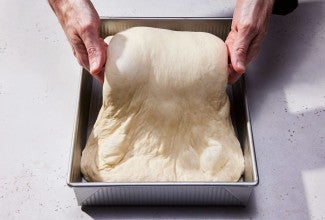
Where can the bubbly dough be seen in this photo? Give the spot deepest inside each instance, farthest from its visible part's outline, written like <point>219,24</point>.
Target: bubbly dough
<point>165,113</point>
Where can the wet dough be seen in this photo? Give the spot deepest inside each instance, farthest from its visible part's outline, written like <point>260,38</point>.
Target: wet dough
<point>165,113</point>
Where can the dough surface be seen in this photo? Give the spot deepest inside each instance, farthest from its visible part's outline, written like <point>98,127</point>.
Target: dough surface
<point>165,113</point>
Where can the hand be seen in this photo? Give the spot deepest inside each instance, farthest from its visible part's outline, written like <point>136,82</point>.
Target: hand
<point>248,28</point>
<point>80,23</point>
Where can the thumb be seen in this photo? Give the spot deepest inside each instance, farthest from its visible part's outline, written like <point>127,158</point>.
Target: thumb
<point>238,55</point>
<point>96,50</point>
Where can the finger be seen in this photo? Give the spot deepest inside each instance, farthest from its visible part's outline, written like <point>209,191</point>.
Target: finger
<point>254,48</point>
<point>238,53</point>
<point>96,50</point>
<point>233,75</point>
<point>80,52</point>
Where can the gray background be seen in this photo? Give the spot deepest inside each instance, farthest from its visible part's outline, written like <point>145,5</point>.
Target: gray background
<point>38,90</point>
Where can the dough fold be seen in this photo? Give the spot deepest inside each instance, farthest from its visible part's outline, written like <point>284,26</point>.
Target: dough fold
<point>165,113</point>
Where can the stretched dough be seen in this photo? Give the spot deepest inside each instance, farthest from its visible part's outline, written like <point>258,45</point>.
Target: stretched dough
<point>165,113</point>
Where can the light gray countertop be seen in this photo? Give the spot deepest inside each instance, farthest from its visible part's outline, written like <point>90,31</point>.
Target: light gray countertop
<point>38,90</point>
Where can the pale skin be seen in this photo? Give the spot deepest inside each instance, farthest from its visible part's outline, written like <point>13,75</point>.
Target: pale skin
<point>80,22</point>
<point>248,29</point>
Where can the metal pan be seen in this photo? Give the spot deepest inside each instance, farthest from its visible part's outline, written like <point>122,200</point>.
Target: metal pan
<point>162,193</point>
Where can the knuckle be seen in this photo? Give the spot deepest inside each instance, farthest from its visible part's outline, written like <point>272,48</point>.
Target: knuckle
<point>240,51</point>
<point>91,50</point>
<point>75,42</point>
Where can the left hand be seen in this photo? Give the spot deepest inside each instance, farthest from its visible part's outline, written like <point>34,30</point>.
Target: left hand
<point>248,28</point>
<point>80,22</point>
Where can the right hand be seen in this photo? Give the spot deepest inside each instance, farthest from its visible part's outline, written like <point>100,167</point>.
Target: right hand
<point>248,28</point>
<point>80,23</point>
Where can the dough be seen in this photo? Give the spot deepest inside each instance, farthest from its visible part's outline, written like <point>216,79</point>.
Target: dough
<point>165,113</point>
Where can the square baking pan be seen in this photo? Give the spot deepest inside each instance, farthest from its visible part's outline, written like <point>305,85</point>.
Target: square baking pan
<point>161,193</point>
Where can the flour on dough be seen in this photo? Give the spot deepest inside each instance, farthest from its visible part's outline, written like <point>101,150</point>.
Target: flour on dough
<point>165,113</point>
